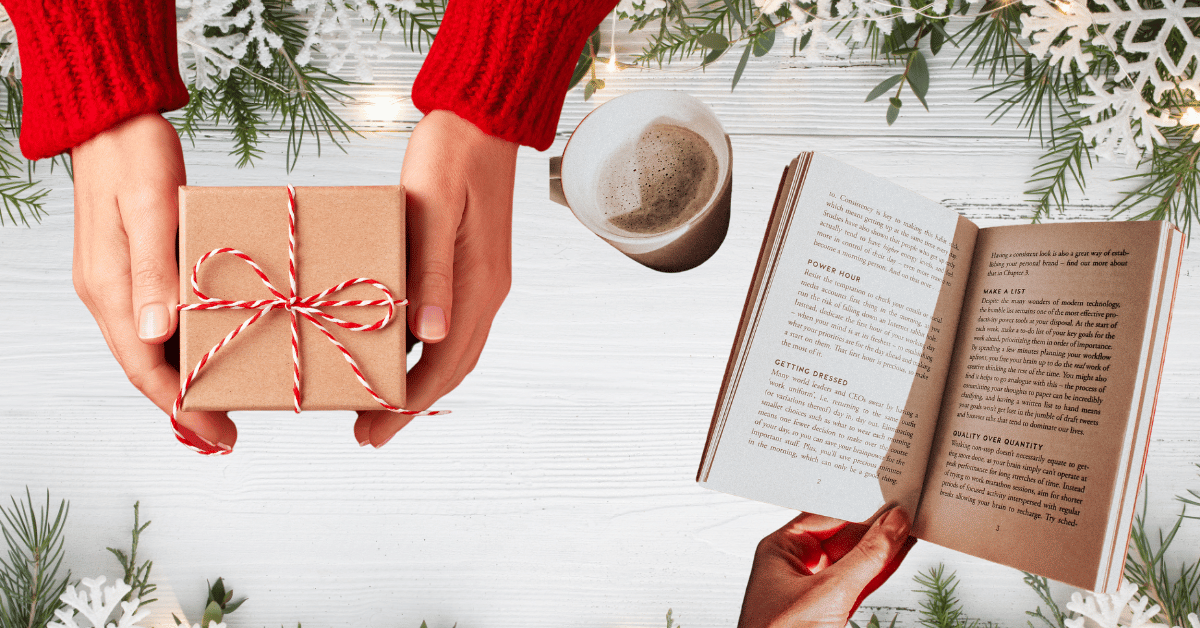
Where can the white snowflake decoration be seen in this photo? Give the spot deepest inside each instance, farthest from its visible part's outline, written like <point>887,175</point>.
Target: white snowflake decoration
<point>1122,121</point>
<point>1119,610</point>
<point>1047,20</point>
<point>97,604</point>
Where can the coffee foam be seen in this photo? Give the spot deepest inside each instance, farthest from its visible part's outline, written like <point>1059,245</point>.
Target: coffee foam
<point>658,182</point>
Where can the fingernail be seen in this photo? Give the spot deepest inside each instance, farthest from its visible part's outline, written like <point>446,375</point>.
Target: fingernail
<point>386,440</point>
<point>153,321</point>
<point>431,323</point>
<point>895,524</point>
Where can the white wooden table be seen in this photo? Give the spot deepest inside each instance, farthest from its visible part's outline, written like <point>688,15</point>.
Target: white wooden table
<point>561,491</point>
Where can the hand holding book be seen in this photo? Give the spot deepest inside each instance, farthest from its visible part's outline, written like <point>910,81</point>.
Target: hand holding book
<point>815,570</point>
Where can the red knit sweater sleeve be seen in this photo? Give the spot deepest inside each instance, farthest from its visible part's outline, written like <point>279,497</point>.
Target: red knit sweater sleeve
<point>87,65</point>
<point>505,65</point>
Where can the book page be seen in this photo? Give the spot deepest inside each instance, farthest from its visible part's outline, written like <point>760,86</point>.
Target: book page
<point>1038,398</point>
<point>842,326</point>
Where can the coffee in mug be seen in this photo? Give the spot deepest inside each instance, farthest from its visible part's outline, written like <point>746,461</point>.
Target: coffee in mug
<point>650,173</point>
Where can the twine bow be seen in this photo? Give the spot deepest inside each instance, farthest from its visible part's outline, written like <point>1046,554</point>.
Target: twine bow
<point>309,308</point>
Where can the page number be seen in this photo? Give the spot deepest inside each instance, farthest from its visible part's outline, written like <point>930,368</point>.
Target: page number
<point>997,528</point>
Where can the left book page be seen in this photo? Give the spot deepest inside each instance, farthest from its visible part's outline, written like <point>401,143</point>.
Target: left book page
<point>831,394</point>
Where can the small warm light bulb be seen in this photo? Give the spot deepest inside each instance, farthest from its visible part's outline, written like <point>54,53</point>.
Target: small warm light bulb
<point>1064,6</point>
<point>612,64</point>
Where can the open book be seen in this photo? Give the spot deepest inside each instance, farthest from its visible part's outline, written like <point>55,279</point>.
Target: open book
<point>997,383</point>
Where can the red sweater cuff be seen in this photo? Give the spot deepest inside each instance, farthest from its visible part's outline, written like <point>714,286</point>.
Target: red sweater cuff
<point>504,66</point>
<point>88,65</point>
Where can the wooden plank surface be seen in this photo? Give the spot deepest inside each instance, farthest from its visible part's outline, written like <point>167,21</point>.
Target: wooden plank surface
<point>560,492</point>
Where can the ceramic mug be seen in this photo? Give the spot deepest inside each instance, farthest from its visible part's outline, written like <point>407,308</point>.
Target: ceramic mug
<point>649,172</point>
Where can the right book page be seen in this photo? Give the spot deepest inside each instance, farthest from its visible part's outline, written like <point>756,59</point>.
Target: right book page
<point>1033,445</point>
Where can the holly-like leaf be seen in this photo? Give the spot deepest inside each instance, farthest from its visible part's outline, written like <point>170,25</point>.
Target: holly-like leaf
<point>918,76</point>
<point>737,74</point>
<point>884,86</point>
<point>217,592</point>
<point>764,42</point>
<point>212,613</point>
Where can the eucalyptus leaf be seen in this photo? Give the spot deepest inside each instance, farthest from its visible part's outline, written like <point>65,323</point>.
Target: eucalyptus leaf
<point>918,76</point>
<point>713,41</point>
<point>764,42</point>
<point>737,74</point>
<point>581,70</point>
<point>713,55</point>
<point>895,102</point>
<point>884,86</point>
<point>892,113</point>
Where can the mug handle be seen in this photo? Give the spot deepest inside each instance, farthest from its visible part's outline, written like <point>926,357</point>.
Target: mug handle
<point>556,189</point>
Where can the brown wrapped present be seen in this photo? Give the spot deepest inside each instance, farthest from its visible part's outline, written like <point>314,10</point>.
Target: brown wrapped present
<point>341,233</point>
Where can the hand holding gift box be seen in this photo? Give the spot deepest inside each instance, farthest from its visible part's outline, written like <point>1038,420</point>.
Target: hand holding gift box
<point>324,242</point>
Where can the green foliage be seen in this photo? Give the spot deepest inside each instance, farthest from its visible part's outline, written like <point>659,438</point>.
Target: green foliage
<point>1057,618</point>
<point>298,97</point>
<point>940,608</point>
<point>671,621</point>
<point>1174,586</point>
<point>29,582</point>
<point>137,576</point>
<point>418,29</point>
<point>874,622</point>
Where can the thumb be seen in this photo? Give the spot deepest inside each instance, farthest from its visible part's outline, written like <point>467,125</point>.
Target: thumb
<point>151,219</point>
<point>875,557</point>
<point>432,226</point>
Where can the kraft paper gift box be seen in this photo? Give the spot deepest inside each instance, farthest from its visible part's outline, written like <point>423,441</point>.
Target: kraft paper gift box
<point>342,233</point>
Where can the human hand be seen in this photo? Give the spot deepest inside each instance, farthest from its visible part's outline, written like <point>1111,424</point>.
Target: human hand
<point>814,571</point>
<point>459,185</point>
<point>124,269</point>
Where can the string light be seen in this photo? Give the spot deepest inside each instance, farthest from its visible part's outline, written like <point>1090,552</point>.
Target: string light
<point>612,46</point>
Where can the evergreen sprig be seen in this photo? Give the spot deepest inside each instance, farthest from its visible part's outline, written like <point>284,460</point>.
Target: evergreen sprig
<point>940,608</point>
<point>29,582</point>
<point>137,575</point>
<point>254,94</point>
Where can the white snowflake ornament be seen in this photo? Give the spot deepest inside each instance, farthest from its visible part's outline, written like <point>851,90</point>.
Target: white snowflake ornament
<point>1047,20</point>
<point>97,604</point>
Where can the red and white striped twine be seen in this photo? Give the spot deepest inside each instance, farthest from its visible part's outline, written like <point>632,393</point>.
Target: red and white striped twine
<point>308,307</point>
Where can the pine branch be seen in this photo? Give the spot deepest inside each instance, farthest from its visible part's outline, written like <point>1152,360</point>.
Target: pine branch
<point>1061,166</point>
<point>29,583</point>
<point>1057,618</point>
<point>136,576</point>
<point>940,609</point>
<point>21,197</point>
<point>241,111</point>
<point>1176,592</point>
<point>1171,186</point>
<point>418,29</point>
